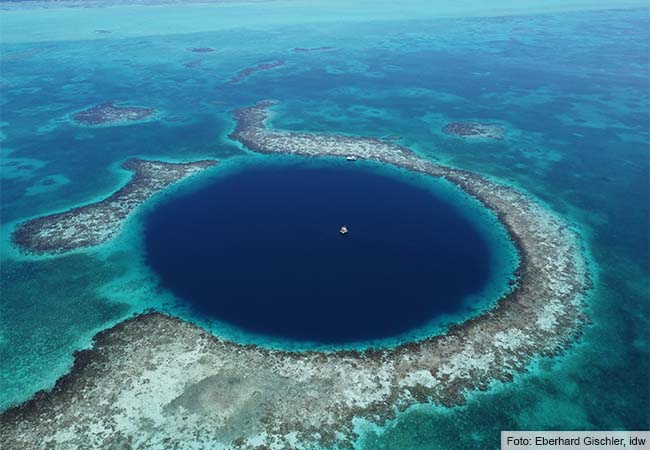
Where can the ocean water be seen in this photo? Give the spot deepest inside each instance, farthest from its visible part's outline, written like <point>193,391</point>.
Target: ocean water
<point>570,88</point>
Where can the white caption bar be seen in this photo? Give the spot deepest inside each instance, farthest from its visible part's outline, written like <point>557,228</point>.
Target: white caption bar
<point>574,440</point>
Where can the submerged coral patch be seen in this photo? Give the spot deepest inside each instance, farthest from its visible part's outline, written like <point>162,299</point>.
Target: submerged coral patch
<point>194,63</point>
<point>474,130</point>
<point>313,49</point>
<point>110,114</point>
<point>47,184</point>
<point>248,71</point>
<point>202,49</point>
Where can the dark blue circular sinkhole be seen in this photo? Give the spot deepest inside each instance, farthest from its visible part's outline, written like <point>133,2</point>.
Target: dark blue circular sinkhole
<point>261,249</point>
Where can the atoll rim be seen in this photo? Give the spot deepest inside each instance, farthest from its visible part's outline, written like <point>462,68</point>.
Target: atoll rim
<point>542,315</point>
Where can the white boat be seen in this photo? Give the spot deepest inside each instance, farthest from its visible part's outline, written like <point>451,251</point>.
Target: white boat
<point>343,230</point>
<point>351,158</point>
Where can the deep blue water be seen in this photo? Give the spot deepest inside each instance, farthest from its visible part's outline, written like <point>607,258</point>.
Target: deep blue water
<point>261,249</point>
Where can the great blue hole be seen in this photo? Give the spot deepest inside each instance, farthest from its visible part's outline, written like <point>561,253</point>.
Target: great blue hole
<point>261,249</point>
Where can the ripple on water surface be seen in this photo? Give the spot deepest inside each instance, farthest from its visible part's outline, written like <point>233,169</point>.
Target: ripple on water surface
<point>260,249</point>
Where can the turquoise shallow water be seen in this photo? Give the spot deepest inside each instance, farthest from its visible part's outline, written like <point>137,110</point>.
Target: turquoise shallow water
<point>570,89</point>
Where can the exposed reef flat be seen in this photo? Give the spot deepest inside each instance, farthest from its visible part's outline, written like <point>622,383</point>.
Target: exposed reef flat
<point>95,223</point>
<point>474,130</point>
<point>157,382</point>
<point>248,71</point>
<point>108,113</point>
